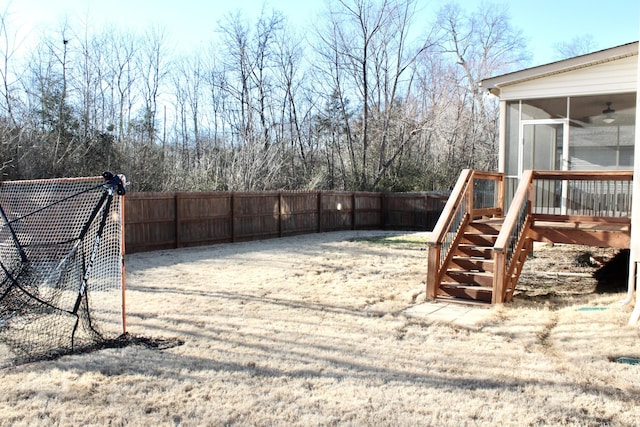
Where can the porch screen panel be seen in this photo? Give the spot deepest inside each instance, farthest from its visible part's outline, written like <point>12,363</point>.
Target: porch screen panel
<point>601,148</point>
<point>601,141</point>
<point>511,143</point>
<point>543,151</point>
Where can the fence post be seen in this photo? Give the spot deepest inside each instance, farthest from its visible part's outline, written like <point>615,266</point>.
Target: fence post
<point>177,219</point>
<point>353,210</point>
<point>383,213</point>
<point>232,216</point>
<point>387,211</point>
<point>426,211</point>
<point>470,195</point>
<point>280,204</point>
<point>319,211</point>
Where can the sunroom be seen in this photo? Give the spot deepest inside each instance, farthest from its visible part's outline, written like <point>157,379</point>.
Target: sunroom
<point>566,158</point>
<point>576,114</point>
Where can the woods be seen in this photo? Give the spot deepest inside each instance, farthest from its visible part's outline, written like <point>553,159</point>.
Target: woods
<point>370,98</point>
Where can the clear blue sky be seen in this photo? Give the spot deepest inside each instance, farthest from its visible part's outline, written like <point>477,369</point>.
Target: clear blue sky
<point>543,22</point>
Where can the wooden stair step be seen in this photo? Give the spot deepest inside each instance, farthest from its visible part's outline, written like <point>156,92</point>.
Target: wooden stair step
<point>468,276</point>
<point>474,278</point>
<point>487,240</point>
<point>475,293</point>
<point>472,263</point>
<point>466,249</point>
<point>485,227</point>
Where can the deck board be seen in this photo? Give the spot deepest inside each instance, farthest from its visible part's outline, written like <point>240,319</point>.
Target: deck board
<point>601,232</point>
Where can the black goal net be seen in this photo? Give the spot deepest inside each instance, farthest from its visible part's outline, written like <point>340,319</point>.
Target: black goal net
<point>61,265</point>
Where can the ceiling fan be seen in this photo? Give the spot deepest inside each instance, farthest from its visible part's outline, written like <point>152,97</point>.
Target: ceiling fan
<point>608,114</point>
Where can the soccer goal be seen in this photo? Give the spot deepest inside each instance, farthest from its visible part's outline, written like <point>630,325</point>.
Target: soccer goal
<point>61,265</point>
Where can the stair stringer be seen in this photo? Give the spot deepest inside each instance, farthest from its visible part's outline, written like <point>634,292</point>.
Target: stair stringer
<point>510,273</point>
<point>512,281</point>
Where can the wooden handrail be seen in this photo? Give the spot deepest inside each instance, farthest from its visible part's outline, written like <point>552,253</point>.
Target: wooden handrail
<point>492,176</point>
<point>520,197</point>
<point>449,210</point>
<point>502,270</point>
<point>458,192</point>
<point>615,175</point>
<point>434,272</point>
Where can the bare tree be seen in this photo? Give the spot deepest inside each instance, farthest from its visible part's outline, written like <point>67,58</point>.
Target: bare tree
<point>9,126</point>
<point>359,27</point>
<point>154,68</point>
<point>48,87</point>
<point>121,79</point>
<point>249,62</point>
<point>579,45</point>
<point>181,122</point>
<point>8,47</point>
<point>334,120</point>
<point>398,123</point>
<point>216,81</point>
<point>347,49</point>
<point>294,109</point>
<point>63,114</point>
<point>267,30</point>
<point>370,54</point>
<point>482,43</point>
<point>238,64</point>
<point>188,81</point>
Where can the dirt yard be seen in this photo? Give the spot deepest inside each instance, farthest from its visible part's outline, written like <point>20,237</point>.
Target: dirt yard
<point>312,330</point>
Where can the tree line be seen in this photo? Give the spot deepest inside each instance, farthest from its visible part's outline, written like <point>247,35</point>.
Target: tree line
<point>370,98</point>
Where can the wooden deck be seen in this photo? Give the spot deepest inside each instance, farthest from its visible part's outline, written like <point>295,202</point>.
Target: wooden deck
<point>604,232</point>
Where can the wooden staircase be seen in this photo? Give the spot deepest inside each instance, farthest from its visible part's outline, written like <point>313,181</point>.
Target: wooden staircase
<point>476,252</point>
<point>469,273</point>
<point>477,249</point>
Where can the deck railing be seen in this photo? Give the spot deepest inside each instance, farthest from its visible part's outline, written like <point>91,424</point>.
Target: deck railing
<point>584,193</point>
<point>476,193</point>
<point>578,196</point>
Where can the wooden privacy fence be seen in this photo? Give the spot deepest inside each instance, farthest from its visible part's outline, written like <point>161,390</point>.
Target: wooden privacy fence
<point>156,221</point>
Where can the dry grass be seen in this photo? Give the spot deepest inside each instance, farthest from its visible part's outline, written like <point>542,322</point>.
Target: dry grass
<point>310,330</point>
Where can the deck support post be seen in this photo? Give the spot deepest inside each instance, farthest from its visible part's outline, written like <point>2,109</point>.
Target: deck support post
<point>499,277</point>
<point>432,271</point>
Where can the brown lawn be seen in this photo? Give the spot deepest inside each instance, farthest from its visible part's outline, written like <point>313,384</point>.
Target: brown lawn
<point>312,330</point>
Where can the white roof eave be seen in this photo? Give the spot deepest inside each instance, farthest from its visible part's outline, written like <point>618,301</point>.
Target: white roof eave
<point>495,84</point>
